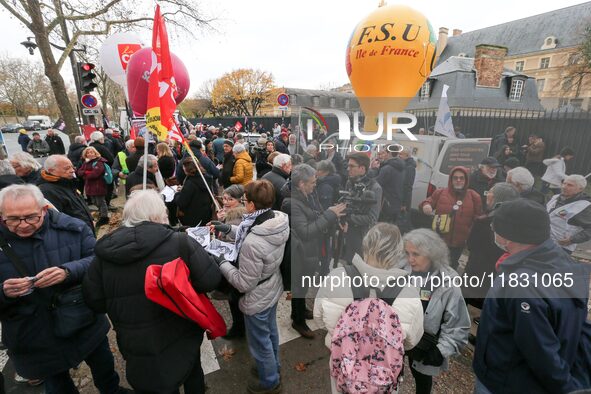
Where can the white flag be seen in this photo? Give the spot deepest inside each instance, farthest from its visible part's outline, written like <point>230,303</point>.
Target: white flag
<point>443,123</point>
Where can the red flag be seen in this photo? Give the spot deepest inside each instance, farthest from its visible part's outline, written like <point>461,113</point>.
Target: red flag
<point>238,125</point>
<point>162,89</point>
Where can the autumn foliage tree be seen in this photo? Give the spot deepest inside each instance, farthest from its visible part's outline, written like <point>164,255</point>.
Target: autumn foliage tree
<point>242,92</point>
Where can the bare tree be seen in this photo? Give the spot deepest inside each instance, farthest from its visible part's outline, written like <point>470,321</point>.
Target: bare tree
<point>54,20</point>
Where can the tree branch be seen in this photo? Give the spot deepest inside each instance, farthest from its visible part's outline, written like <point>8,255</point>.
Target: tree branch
<point>16,14</point>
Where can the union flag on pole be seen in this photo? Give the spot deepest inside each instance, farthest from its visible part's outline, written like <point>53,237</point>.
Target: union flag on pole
<point>162,89</point>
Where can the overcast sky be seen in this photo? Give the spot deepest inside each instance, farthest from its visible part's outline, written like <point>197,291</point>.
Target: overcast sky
<point>301,42</point>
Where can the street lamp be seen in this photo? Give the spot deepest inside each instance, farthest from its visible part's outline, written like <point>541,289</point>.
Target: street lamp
<point>31,45</point>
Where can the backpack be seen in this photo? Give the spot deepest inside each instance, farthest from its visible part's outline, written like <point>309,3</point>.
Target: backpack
<point>108,174</point>
<point>367,352</point>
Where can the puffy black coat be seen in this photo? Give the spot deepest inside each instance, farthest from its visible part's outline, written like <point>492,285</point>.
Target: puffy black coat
<point>278,178</point>
<point>137,178</point>
<point>194,201</point>
<point>65,197</point>
<point>227,170</point>
<point>133,159</point>
<point>105,152</point>
<point>75,154</point>
<point>56,145</point>
<point>160,348</point>
<point>9,179</point>
<point>327,189</point>
<point>390,176</point>
<point>167,166</point>
<point>27,329</point>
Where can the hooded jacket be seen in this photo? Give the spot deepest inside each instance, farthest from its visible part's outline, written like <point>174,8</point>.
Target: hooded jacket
<point>329,305</point>
<point>242,171</point>
<point>160,347</point>
<point>528,335</point>
<point>65,197</point>
<point>260,257</point>
<point>443,202</point>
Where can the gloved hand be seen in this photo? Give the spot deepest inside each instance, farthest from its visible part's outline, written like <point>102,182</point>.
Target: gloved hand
<point>434,357</point>
<point>219,259</point>
<point>221,227</point>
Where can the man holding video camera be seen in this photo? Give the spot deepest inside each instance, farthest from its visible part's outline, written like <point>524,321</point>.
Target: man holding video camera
<point>363,196</point>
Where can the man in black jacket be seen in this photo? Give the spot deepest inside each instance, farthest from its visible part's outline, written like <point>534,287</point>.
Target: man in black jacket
<point>278,176</point>
<point>501,140</point>
<point>388,171</point>
<point>137,176</point>
<point>59,187</point>
<point>56,145</point>
<point>228,164</point>
<point>410,171</point>
<point>487,176</point>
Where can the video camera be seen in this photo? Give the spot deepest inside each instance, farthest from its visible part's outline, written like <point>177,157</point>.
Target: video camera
<point>359,200</point>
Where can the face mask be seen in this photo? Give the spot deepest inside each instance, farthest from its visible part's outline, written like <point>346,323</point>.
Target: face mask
<point>502,247</point>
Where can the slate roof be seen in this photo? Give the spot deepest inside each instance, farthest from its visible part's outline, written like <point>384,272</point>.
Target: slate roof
<point>526,35</point>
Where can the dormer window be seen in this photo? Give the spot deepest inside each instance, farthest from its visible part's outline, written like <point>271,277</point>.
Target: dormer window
<point>425,92</point>
<point>516,89</point>
<point>549,43</point>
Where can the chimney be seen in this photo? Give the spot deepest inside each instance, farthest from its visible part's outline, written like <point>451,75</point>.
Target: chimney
<point>488,62</point>
<point>456,32</point>
<point>441,40</point>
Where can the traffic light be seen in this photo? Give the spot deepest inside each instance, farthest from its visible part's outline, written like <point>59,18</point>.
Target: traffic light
<point>87,83</point>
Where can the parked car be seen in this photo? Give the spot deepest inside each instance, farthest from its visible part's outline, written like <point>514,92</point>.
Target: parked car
<point>11,128</point>
<point>44,120</point>
<point>31,125</point>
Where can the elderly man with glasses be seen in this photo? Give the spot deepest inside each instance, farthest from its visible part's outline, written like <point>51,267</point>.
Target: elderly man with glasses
<point>45,252</point>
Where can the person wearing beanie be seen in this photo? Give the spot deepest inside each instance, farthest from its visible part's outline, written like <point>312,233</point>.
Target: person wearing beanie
<point>489,172</point>
<point>242,173</point>
<point>570,213</point>
<point>23,139</point>
<point>529,332</point>
<point>484,253</point>
<point>511,163</point>
<point>227,164</point>
<point>359,223</point>
<point>454,210</point>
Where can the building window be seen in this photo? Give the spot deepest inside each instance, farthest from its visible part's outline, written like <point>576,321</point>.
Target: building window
<point>347,104</point>
<point>567,84</point>
<point>293,99</point>
<point>519,65</point>
<point>541,83</point>
<point>333,102</point>
<point>316,101</point>
<point>544,62</point>
<point>425,91</point>
<point>562,102</point>
<point>576,103</point>
<point>516,90</point>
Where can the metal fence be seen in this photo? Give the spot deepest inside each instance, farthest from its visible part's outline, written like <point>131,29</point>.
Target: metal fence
<point>559,129</point>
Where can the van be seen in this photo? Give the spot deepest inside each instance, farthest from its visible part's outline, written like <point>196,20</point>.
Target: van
<point>435,157</point>
<point>44,121</point>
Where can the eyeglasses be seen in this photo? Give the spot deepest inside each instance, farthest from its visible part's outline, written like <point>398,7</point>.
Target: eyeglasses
<point>14,222</point>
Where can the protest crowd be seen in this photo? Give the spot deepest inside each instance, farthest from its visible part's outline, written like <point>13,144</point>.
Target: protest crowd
<point>250,219</point>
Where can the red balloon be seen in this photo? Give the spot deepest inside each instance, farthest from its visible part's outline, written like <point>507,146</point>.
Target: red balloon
<point>138,75</point>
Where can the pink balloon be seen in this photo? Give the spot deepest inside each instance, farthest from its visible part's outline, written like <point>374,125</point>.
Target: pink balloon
<point>138,75</point>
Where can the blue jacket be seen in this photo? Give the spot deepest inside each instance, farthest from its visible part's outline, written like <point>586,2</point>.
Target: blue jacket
<point>218,149</point>
<point>23,140</point>
<point>27,331</point>
<point>528,336</point>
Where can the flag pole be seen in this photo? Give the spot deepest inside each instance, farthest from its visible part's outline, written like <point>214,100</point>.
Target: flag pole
<point>146,139</point>
<point>188,148</point>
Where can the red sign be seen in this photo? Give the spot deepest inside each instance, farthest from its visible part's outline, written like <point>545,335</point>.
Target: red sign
<point>87,130</point>
<point>238,125</point>
<point>125,52</point>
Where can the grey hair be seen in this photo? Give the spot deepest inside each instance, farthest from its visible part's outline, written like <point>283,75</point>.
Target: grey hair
<point>151,161</point>
<point>144,206</point>
<point>235,191</point>
<point>521,178</point>
<point>6,168</point>
<point>326,166</point>
<point>79,139</point>
<point>503,192</point>
<point>26,160</point>
<point>301,173</point>
<point>108,131</point>
<point>16,192</point>
<point>238,148</point>
<point>51,161</point>
<point>311,148</point>
<point>430,245</point>
<point>580,180</point>
<point>382,246</point>
<point>129,144</point>
<point>96,136</point>
<point>281,159</point>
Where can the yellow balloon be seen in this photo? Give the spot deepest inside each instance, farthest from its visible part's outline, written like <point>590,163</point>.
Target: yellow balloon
<point>390,55</point>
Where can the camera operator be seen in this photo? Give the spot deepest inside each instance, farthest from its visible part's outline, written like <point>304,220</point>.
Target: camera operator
<point>363,204</point>
<point>37,147</point>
